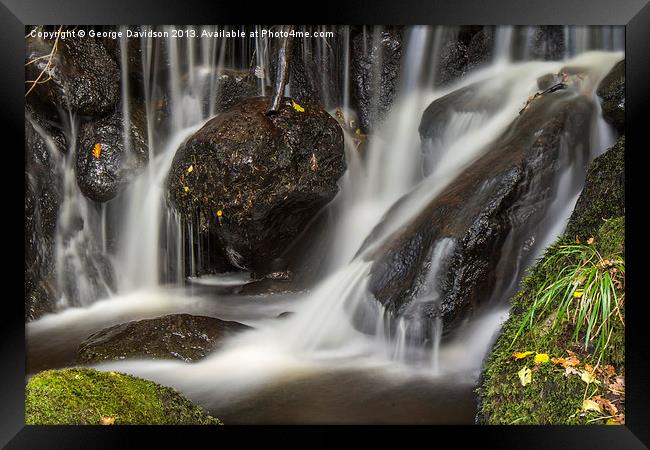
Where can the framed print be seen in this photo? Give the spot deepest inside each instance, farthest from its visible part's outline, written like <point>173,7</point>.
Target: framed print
<point>396,215</point>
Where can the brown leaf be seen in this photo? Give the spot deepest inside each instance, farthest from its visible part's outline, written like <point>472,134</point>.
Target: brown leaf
<point>609,371</point>
<point>571,361</point>
<point>107,420</point>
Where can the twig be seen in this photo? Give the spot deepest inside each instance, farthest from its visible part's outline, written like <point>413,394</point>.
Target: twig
<point>47,66</point>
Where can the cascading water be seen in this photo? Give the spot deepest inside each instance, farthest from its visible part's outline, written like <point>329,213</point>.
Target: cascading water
<point>336,325</point>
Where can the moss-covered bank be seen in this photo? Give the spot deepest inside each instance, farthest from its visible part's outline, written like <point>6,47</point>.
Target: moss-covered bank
<point>580,388</point>
<point>81,396</point>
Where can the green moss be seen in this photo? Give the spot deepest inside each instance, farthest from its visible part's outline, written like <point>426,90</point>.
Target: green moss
<point>603,196</point>
<point>81,396</point>
<point>611,237</point>
<point>551,397</point>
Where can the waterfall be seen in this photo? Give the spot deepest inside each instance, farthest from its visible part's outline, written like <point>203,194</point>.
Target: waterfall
<point>336,321</point>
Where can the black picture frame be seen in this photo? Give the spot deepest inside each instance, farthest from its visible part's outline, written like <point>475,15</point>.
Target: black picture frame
<point>634,14</point>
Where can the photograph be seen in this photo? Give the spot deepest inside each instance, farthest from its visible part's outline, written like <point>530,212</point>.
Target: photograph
<point>302,224</point>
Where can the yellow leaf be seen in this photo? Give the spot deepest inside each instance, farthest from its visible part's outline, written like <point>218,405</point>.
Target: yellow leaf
<point>541,358</point>
<point>107,420</point>
<point>190,169</point>
<point>590,405</point>
<point>588,378</point>
<point>186,189</point>
<point>219,213</point>
<point>525,376</point>
<point>97,150</point>
<point>297,107</point>
<point>578,293</point>
<point>521,355</point>
<point>590,240</point>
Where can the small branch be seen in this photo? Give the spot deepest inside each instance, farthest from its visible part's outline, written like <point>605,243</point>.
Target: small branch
<point>281,71</point>
<point>47,66</point>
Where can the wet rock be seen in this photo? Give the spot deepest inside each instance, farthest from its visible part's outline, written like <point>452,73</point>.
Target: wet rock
<point>133,53</point>
<point>603,196</point>
<point>375,71</point>
<point>230,87</point>
<point>253,181</point>
<point>314,69</point>
<point>103,162</point>
<point>81,76</point>
<point>175,336</point>
<point>472,49</point>
<point>447,256</point>
<point>467,107</point>
<point>86,273</point>
<point>548,43</point>
<point>43,155</point>
<point>42,202</point>
<point>612,94</point>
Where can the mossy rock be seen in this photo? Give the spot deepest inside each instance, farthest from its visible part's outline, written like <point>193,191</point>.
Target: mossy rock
<point>551,397</point>
<point>81,396</point>
<point>612,96</point>
<point>603,196</point>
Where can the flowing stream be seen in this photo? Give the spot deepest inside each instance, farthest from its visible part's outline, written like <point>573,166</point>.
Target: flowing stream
<point>314,366</point>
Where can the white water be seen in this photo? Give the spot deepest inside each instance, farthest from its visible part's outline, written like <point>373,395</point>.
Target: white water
<point>320,333</point>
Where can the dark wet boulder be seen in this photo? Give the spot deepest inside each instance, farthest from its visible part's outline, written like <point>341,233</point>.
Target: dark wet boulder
<point>603,196</point>
<point>472,49</point>
<point>612,95</point>
<point>446,260</point>
<point>467,108</point>
<point>103,162</point>
<point>175,336</point>
<point>81,76</point>
<point>253,181</point>
<point>375,72</point>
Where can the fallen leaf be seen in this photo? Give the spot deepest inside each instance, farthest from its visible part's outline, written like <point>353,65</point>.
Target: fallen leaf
<point>186,189</point>
<point>609,406</point>
<point>588,378</point>
<point>107,420</point>
<point>297,107</point>
<point>521,355</point>
<point>609,371</point>
<point>590,405</point>
<point>590,240</point>
<point>525,376</point>
<point>541,358</point>
<point>190,169</point>
<point>571,361</point>
<point>578,293</point>
<point>97,150</point>
<point>617,387</point>
<point>219,213</point>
